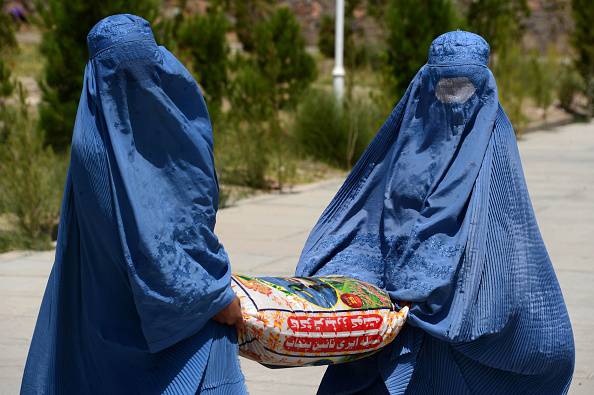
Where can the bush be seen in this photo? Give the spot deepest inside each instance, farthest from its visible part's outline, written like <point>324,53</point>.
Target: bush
<point>65,27</point>
<point>242,146</point>
<point>253,144</point>
<point>410,31</point>
<point>31,181</point>
<point>326,36</point>
<point>242,153</point>
<point>247,14</point>
<point>203,37</point>
<point>7,45</point>
<point>570,85</point>
<point>544,73</point>
<point>513,74</point>
<point>337,135</point>
<point>583,43</point>
<point>320,128</point>
<point>283,159</point>
<point>281,58</point>
<point>498,21</point>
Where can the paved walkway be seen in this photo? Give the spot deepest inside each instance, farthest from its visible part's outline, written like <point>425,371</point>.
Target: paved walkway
<point>264,236</point>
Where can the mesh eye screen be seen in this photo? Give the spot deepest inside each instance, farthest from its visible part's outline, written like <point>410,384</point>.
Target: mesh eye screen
<point>454,90</point>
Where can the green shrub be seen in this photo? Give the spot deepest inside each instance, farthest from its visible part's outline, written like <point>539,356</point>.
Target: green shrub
<point>6,83</point>
<point>242,153</point>
<point>410,31</point>
<point>247,14</point>
<point>7,45</point>
<point>282,59</point>
<point>65,25</point>
<point>326,36</point>
<point>253,145</point>
<point>583,43</point>
<point>513,74</point>
<point>544,79</point>
<point>31,181</point>
<point>570,85</point>
<point>283,166</point>
<point>498,21</point>
<point>242,137</point>
<point>203,38</point>
<point>320,128</point>
<point>337,135</point>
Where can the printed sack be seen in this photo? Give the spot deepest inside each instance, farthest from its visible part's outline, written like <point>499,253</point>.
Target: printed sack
<point>300,321</point>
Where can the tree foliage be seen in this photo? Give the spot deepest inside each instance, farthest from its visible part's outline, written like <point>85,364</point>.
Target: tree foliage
<point>512,71</point>
<point>281,57</point>
<point>247,14</point>
<point>65,27</point>
<point>498,21</point>
<point>334,133</point>
<point>203,37</point>
<point>31,178</point>
<point>265,83</point>
<point>243,147</point>
<point>545,72</point>
<point>282,60</point>
<point>326,36</point>
<point>410,31</point>
<point>7,45</point>
<point>583,43</point>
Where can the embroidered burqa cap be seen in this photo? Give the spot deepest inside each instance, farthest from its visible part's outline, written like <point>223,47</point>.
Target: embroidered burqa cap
<point>437,212</point>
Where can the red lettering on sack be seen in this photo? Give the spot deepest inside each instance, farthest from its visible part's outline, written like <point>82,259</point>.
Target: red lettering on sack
<point>349,323</point>
<point>334,344</point>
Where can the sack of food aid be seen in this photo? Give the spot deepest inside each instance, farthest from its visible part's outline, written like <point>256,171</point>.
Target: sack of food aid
<point>304,321</point>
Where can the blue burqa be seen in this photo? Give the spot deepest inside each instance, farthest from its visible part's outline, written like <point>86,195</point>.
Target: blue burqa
<point>138,272</point>
<point>437,212</point>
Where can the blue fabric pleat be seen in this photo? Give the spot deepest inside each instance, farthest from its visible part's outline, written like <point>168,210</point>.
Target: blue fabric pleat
<point>437,212</point>
<point>223,375</point>
<point>139,271</point>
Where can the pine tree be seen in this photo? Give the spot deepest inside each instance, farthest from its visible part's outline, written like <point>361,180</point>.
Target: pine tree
<point>498,21</point>
<point>583,42</point>
<point>268,80</point>
<point>65,27</point>
<point>410,31</point>
<point>247,14</point>
<point>281,56</point>
<point>203,37</point>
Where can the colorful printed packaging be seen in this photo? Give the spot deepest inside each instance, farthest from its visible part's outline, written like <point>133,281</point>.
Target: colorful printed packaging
<point>301,321</point>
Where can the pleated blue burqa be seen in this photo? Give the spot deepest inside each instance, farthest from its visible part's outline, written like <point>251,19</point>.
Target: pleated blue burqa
<point>437,212</point>
<point>138,272</point>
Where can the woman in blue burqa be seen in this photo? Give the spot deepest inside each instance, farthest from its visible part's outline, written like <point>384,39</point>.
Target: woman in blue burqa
<point>139,273</point>
<point>437,212</point>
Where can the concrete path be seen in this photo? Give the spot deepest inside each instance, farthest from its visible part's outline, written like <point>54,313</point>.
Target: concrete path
<point>264,236</point>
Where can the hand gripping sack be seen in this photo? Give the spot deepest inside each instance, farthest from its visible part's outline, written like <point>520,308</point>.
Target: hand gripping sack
<point>301,321</point>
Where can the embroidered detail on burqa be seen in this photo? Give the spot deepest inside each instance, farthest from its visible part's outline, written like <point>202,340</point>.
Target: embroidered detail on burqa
<point>378,256</point>
<point>459,48</point>
<point>347,260</point>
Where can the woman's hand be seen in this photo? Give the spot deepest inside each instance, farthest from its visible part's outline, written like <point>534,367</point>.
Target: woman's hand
<point>230,315</point>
